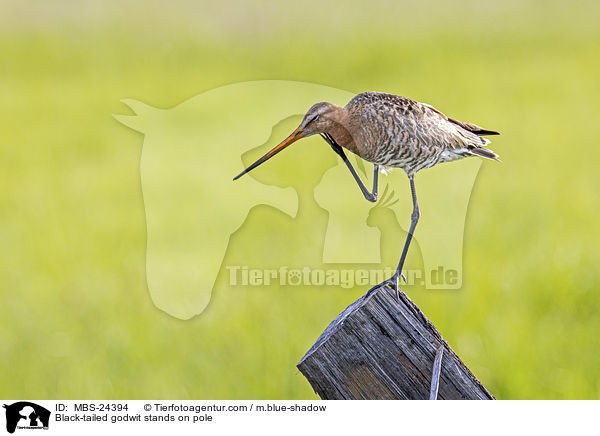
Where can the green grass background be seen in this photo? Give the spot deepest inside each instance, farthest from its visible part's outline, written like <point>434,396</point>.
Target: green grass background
<point>76,320</point>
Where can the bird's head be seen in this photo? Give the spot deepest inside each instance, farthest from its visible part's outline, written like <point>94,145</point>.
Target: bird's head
<point>318,118</point>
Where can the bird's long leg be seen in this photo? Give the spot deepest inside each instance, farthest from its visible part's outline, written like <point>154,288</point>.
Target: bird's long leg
<point>370,196</point>
<point>414,218</point>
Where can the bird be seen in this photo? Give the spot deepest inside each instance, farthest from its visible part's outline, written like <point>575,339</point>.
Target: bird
<point>390,131</point>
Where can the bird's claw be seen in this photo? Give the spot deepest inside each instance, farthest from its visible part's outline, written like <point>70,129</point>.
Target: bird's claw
<point>394,284</point>
<point>401,275</point>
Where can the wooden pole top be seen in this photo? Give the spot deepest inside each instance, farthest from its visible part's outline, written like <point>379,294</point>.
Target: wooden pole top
<point>384,347</point>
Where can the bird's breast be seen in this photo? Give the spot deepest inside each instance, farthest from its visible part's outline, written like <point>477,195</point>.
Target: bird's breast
<point>343,137</point>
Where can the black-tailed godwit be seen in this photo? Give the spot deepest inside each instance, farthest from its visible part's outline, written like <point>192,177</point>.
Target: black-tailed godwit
<point>390,131</point>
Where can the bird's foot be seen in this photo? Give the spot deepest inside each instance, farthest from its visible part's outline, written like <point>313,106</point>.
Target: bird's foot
<point>393,283</point>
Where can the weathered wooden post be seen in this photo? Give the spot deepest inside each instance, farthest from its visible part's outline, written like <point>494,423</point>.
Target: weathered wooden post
<point>384,348</point>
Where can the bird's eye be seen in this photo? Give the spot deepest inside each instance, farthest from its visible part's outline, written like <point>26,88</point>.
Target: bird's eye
<point>315,118</point>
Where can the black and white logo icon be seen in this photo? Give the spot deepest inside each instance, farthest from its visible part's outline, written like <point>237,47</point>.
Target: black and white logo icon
<point>26,415</point>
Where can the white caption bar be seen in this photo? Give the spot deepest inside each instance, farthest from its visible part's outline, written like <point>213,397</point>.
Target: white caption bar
<point>297,417</point>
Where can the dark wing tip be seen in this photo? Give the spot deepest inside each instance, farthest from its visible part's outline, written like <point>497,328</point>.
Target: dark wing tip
<point>484,132</point>
<point>480,131</point>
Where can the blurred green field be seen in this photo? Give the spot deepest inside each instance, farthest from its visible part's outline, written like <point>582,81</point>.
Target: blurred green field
<point>76,317</point>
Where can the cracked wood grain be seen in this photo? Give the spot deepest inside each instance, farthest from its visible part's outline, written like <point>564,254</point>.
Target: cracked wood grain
<point>382,347</point>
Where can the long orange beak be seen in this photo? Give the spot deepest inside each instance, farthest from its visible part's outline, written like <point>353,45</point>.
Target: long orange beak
<point>296,134</point>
